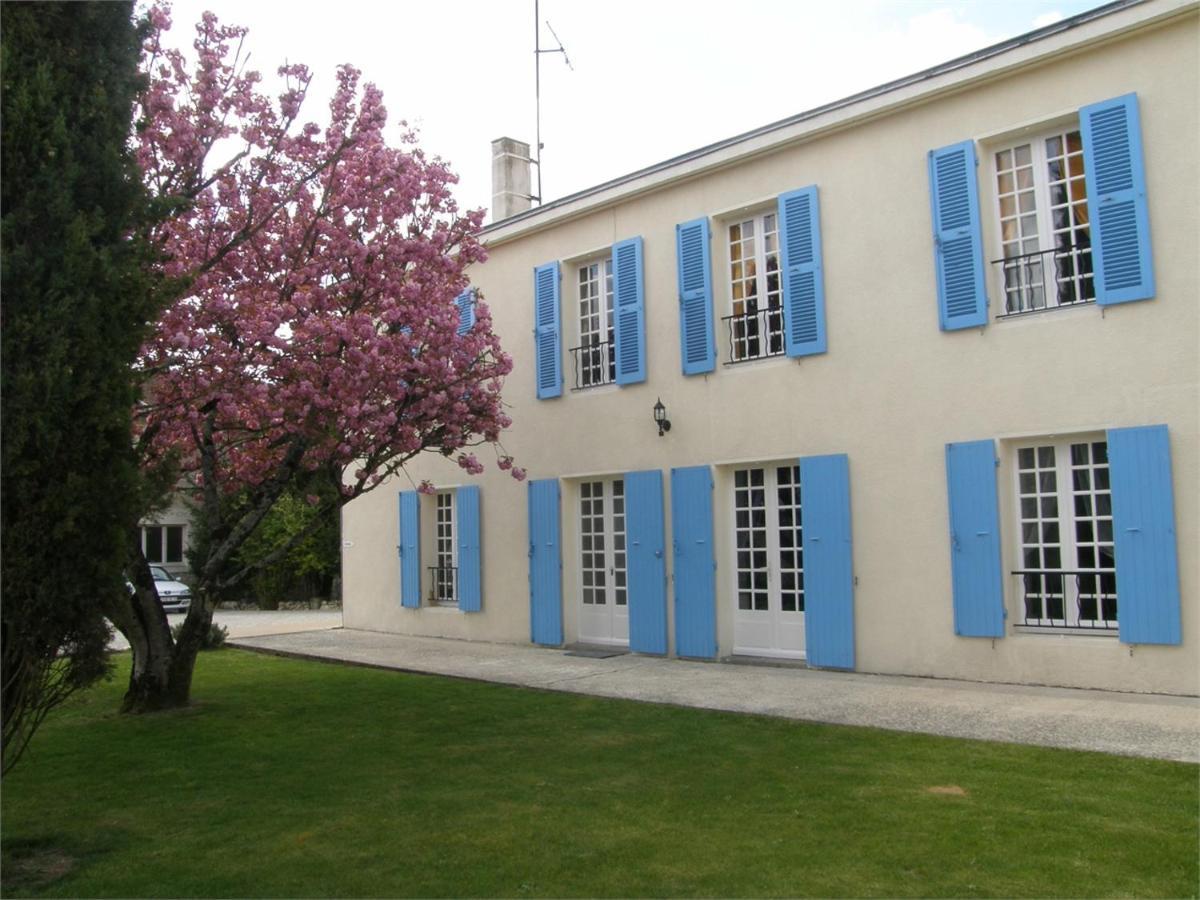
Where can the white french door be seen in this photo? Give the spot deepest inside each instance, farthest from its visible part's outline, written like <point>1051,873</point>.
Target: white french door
<point>768,614</point>
<point>604,601</point>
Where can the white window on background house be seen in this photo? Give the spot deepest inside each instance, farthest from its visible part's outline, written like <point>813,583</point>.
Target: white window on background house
<point>1068,571</point>
<point>445,580</point>
<point>1045,238</point>
<point>595,358</point>
<point>162,543</point>
<point>754,327</point>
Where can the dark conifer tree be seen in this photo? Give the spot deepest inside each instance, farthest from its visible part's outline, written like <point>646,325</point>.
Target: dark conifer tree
<point>75,301</point>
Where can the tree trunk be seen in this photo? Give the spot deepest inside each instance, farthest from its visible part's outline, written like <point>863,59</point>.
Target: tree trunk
<point>161,674</point>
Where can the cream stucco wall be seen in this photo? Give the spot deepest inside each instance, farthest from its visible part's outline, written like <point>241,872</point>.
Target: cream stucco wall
<point>890,392</point>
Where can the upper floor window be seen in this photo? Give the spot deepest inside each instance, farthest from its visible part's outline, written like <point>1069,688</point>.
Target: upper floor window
<point>755,323</point>
<point>444,572</point>
<point>1045,236</point>
<point>595,360</point>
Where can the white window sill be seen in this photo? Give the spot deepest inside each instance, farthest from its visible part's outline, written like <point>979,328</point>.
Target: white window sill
<point>755,365</point>
<point>1106,634</point>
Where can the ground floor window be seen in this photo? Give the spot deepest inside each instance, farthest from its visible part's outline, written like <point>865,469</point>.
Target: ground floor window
<point>602,562</point>
<point>444,570</point>
<point>1068,571</point>
<point>769,561</point>
<point>162,543</point>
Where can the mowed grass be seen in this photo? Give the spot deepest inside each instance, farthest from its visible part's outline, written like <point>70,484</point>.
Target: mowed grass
<point>294,778</point>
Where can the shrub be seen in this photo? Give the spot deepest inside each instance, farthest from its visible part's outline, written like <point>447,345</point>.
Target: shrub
<point>214,640</point>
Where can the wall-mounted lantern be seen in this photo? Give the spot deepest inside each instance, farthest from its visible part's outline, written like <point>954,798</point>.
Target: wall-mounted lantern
<point>660,416</point>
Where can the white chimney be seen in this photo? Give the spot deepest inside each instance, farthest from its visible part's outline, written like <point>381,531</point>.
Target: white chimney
<point>510,178</point>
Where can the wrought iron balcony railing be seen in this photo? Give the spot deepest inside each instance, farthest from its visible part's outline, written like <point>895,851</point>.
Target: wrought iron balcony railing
<point>443,584</point>
<point>1046,279</point>
<point>594,364</point>
<point>1085,599</point>
<point>757,334</point>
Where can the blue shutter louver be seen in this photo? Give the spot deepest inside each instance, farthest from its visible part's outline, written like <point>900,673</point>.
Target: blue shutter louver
<point>1143,510</point>
<point>629,311</point>
<point>828,563</point>
<point>975,566</point>
<point>957,237</point>
<point>698,347</point>
<point>470,584</point>
<point>545,564</point>
<point>647,574</point>
<point>546,318</point>
<point>466,310</point>
<point>695,564</point>
<point>1116,196</point>
<point>803,278</point>
<point>410,549</point>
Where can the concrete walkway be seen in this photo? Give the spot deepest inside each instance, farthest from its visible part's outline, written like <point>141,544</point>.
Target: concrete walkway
<point>253,622</point>
<point>1127,724</point>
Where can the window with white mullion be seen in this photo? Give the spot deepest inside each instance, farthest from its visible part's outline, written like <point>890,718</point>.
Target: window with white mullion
<point>596,354</point>
<point>593,562</point>
<point>1092,501</point>
<point>1045,239</point>
<point>1070,232</point>
<point>750,533</point>
<point>790,539</point>
<point>620,595</point>
<point>1068,574</point>
<point>602,542</point>
<point>755,289</point>
<point>444,571</point>
<point>1041,536</point>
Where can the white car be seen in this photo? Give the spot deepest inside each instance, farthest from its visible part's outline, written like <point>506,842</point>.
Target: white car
<point>175,595</point>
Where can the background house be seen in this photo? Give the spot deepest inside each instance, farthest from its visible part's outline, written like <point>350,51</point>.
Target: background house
<point>931,359</point>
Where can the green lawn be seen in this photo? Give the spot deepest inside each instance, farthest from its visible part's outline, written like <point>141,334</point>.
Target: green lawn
<point>293,778</point>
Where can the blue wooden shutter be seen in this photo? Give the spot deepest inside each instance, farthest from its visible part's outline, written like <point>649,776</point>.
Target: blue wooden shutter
<point>629,311</point>
<point>1143,509</point>
<point>546,331</point>
<point>410,549</point>
<point>695,565</point>
<point>470,585</point>
<point>697,344</point>
<point>466,310</point>
<point>647,574</point>
<point>1116,196</point>
<point>803,278</point>
<point>957,238</point>
<point>975,572</point>
<point>828,568</point>
<point>545,564</point>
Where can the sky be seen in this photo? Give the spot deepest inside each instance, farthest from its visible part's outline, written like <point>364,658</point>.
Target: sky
<point>648,79</point>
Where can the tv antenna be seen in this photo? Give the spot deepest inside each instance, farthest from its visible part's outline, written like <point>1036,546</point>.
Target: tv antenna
<point>537,86</point>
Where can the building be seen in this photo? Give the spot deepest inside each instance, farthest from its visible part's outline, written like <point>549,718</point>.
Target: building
<point>167,536</point>
<point>930,358</point>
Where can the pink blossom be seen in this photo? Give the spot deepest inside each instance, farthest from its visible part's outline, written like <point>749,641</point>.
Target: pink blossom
<point>321,265</point>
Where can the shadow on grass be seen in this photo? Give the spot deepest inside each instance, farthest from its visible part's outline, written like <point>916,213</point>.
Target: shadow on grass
<point>33,864</point>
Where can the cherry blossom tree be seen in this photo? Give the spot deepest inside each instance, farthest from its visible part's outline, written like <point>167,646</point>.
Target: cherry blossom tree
<point>315,334</point>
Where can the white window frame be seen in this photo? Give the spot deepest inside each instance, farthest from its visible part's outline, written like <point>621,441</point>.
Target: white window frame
<point>594,357</point>
<point>1079,508</point>
<point>760,335</point>
<point>1030,271</point>
<point>772,630</point>
<point>613,606</point>
<point>162,528</point>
